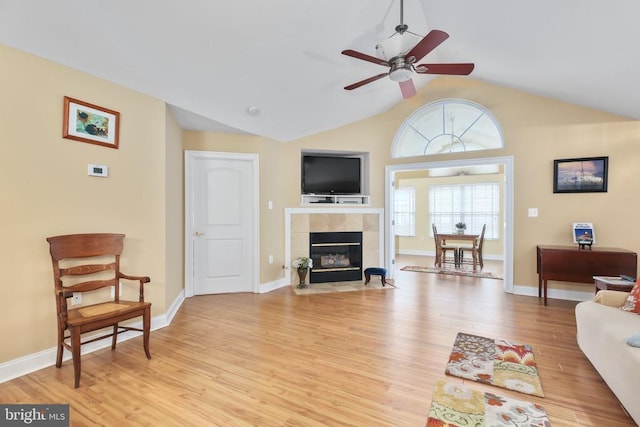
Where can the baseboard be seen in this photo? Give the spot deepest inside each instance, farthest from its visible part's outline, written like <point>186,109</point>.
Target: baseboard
<point>553,293</point>
<point>417,252</point>
<point>173,309</point>
<point>45,358</point>
<point>272,286</point>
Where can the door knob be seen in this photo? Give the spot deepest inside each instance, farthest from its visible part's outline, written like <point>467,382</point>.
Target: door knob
<point>199,233</point>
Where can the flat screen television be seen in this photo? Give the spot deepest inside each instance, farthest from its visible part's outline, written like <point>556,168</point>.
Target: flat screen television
<point>330,175</point>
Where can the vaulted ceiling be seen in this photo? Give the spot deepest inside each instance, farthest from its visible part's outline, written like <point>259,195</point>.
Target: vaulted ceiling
<point>273,67</point>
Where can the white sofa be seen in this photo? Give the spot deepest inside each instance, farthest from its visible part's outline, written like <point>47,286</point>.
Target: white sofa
<point>603,330</point>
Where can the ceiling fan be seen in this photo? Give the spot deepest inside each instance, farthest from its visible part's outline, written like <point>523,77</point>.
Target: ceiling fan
<point>400,60</point>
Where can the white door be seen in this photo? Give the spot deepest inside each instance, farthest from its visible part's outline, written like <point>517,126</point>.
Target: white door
<point>222,222</point>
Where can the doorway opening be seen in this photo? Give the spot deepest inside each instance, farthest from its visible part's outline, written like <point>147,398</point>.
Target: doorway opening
<point>506,225</point>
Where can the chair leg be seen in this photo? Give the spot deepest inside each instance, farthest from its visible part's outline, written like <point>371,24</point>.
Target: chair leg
<point>114,338</point>
<point>75,354</point>
<point>60,347</point>
<point>367,278</point>
<point>146,326</point>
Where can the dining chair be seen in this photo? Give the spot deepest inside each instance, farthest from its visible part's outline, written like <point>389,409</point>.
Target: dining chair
<point>442,247</point>
<point>475,249</point>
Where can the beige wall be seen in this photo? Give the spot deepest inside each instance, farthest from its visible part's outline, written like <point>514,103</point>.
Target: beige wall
<point>46,191</point>
<point>537,130</point>
<point>174,214</point>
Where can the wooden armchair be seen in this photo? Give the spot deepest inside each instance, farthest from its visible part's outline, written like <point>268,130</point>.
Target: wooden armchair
<point>92,262</point>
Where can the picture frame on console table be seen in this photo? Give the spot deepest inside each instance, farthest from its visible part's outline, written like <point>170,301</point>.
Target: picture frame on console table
<point>581,175</point>
<point>583,233</point>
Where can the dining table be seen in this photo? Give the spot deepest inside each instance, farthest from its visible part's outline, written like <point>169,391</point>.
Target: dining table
<point>456,237</point>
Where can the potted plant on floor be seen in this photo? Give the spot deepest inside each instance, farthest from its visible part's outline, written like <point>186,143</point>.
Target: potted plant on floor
<point>460,227</point>
<point>302,264</point>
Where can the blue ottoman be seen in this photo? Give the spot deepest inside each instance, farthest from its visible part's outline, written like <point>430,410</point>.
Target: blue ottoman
<point>375,271</point>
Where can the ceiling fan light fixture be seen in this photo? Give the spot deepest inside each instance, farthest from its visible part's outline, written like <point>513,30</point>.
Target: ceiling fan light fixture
<point>400,74</point>
<point>395,46</point>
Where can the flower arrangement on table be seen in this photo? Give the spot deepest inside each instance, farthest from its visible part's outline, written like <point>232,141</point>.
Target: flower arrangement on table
<point>302,262</point>
<point>461,225</point>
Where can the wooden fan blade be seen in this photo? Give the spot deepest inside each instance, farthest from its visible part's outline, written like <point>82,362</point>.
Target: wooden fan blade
<point>365,57</point>
<point>407,88</point>
<point>365,81</point>
<point>427,44</point>
<point>462,69</point>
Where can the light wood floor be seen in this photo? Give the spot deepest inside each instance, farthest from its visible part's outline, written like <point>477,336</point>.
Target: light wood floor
<point>345,359</point>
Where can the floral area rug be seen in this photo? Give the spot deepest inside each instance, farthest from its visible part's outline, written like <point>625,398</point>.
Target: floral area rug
<point>452,271</point>
<point>496,362</point>
<point>461,406</point>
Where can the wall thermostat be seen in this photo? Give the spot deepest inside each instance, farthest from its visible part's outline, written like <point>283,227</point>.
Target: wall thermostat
<point>98,170</point>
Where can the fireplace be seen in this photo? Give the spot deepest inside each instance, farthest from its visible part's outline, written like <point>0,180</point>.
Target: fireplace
<point>337,256</point>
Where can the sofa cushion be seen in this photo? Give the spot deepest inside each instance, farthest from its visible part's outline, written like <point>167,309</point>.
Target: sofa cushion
<point>611,298</point>
<point>633,300</point>
<point>634,341</point>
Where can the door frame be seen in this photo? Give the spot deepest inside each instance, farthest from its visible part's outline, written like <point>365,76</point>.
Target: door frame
<point>506,161</point>
<point>190,156</point>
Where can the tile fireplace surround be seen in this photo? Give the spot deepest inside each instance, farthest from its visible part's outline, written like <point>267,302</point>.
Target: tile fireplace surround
<point>299,222</point>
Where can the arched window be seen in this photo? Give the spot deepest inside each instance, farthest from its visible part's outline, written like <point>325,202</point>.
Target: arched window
<point>447,126</point>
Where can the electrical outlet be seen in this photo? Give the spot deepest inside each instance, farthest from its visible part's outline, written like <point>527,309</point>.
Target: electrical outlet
<point>76,299</point>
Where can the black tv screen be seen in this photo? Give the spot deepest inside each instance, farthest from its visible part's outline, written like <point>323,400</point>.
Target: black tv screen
<point>330,175</point>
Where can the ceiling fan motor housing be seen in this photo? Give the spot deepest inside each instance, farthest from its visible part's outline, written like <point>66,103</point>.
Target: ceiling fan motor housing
<point>400,70</point>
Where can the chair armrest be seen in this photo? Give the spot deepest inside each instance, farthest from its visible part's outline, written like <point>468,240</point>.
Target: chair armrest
<point>611,298</point>
<point>141,279</point>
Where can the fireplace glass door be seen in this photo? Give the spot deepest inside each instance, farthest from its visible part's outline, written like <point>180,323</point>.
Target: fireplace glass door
<point>337,256</point>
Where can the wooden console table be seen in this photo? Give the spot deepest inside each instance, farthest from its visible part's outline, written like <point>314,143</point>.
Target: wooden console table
<point>570,264</point>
